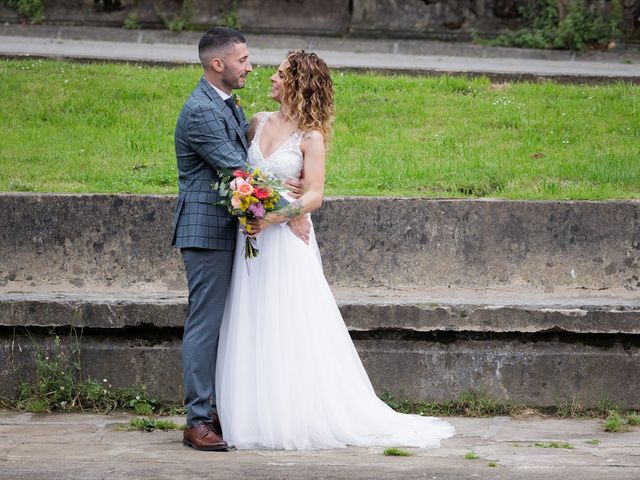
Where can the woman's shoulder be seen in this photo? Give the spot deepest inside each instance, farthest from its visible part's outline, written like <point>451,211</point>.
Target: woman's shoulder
<point>312,141</point>
<point>259,116</point>
<point>255,121</point>
<point>312,136</point>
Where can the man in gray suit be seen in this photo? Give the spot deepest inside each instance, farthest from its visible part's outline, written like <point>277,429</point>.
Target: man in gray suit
<point>211,134</point>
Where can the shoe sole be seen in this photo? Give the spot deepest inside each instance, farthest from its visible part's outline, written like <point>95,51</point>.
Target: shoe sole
<point>220,448</point>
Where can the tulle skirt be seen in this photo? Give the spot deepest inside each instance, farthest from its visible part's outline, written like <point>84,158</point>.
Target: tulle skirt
<point>288,375</point>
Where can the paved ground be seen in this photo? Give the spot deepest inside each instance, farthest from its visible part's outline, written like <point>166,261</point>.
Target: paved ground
<point>412,56</point>
<point>76,446</point>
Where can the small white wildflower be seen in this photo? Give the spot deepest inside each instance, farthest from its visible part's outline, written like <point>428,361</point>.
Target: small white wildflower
<point>61,388</point>
<point>104,380</point>
<point>137,397</point>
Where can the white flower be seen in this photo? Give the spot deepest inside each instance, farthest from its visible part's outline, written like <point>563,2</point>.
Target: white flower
<point>104,380</point>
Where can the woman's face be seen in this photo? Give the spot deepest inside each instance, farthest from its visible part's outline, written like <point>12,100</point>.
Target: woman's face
<point>277,80</point>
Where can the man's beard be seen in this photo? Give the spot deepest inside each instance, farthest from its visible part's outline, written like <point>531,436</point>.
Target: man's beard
<point>233,82</point>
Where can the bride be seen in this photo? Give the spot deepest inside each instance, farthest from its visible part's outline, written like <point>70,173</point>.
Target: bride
<point>288,375</point>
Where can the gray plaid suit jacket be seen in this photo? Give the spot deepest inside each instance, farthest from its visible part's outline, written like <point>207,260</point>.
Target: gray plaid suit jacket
<point>208,138</point>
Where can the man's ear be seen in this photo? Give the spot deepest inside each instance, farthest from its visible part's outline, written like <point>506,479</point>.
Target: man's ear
<point>217,64</point>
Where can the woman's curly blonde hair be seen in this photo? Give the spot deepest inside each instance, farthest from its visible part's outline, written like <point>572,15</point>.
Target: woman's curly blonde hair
<point>308,92</point>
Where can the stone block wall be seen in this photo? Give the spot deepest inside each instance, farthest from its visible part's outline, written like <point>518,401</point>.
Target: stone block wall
<point>447,20</point>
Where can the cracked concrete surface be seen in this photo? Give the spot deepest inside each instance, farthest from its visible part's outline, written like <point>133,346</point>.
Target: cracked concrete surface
<point>89,446</point>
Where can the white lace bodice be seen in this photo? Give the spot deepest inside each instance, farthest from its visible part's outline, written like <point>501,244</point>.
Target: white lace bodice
<point>285,162</point>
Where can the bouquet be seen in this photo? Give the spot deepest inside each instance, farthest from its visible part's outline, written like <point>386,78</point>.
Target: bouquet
<point>248,195</point>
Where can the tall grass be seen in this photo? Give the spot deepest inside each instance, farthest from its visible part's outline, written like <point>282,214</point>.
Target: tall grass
<point>70,127</point>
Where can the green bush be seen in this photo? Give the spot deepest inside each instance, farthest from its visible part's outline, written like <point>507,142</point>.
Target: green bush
<point>581,28</point>
<point>131,22</point>
<point>614,422</point>
<point>31,9</point>
<point>176,22</point>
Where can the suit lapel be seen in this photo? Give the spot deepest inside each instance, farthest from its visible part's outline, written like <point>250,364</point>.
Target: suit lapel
<point>226,112</point>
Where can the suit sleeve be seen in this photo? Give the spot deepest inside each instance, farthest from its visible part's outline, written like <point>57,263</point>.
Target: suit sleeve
<point>209,139</point>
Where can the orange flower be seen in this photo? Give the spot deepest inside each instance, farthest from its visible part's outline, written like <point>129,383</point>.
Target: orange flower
<point>244,189</point>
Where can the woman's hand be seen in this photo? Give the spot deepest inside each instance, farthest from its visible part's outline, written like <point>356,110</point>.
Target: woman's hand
<point>257,225</point>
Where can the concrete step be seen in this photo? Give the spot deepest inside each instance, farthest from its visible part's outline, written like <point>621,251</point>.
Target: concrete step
<point>423,345</point>
<point>362,309</point>
<point>536,302</point>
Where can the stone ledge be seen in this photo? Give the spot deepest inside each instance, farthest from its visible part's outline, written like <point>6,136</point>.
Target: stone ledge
<point>526,370</point>
<point>608,315</point>
<point>317,43</point>
<point>121,242</point>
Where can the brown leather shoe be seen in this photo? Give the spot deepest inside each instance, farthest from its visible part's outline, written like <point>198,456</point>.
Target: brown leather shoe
<point>215,422</point>
<point>204,437</point>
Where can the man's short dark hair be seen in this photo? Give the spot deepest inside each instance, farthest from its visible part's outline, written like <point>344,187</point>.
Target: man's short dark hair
<point>215,41</point>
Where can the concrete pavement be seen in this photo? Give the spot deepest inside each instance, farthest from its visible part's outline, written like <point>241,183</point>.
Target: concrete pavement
<point>403,56</point>
<point>90,446</point>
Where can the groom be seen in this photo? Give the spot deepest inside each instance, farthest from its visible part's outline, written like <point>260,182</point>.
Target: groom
<point>211,134</point>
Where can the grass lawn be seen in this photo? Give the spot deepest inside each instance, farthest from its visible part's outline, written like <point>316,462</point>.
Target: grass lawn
<point>70,127</point>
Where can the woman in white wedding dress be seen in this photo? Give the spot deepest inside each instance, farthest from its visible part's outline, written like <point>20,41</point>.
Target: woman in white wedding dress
<point>288,375</point>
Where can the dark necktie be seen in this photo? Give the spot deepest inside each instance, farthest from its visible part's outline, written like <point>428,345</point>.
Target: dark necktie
<point>231,102</point>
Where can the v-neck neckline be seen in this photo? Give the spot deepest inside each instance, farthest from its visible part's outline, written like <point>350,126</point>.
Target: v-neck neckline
<point>266,119</point>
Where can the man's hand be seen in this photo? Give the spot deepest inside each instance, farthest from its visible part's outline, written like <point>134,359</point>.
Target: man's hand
<point>296,186</point>
<point>301,228</point>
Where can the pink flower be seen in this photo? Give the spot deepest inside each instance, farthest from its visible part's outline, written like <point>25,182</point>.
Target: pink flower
<point>257,209</point>
<point>235,202</point>
<point>236,182</point>
<point>244,189</point>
